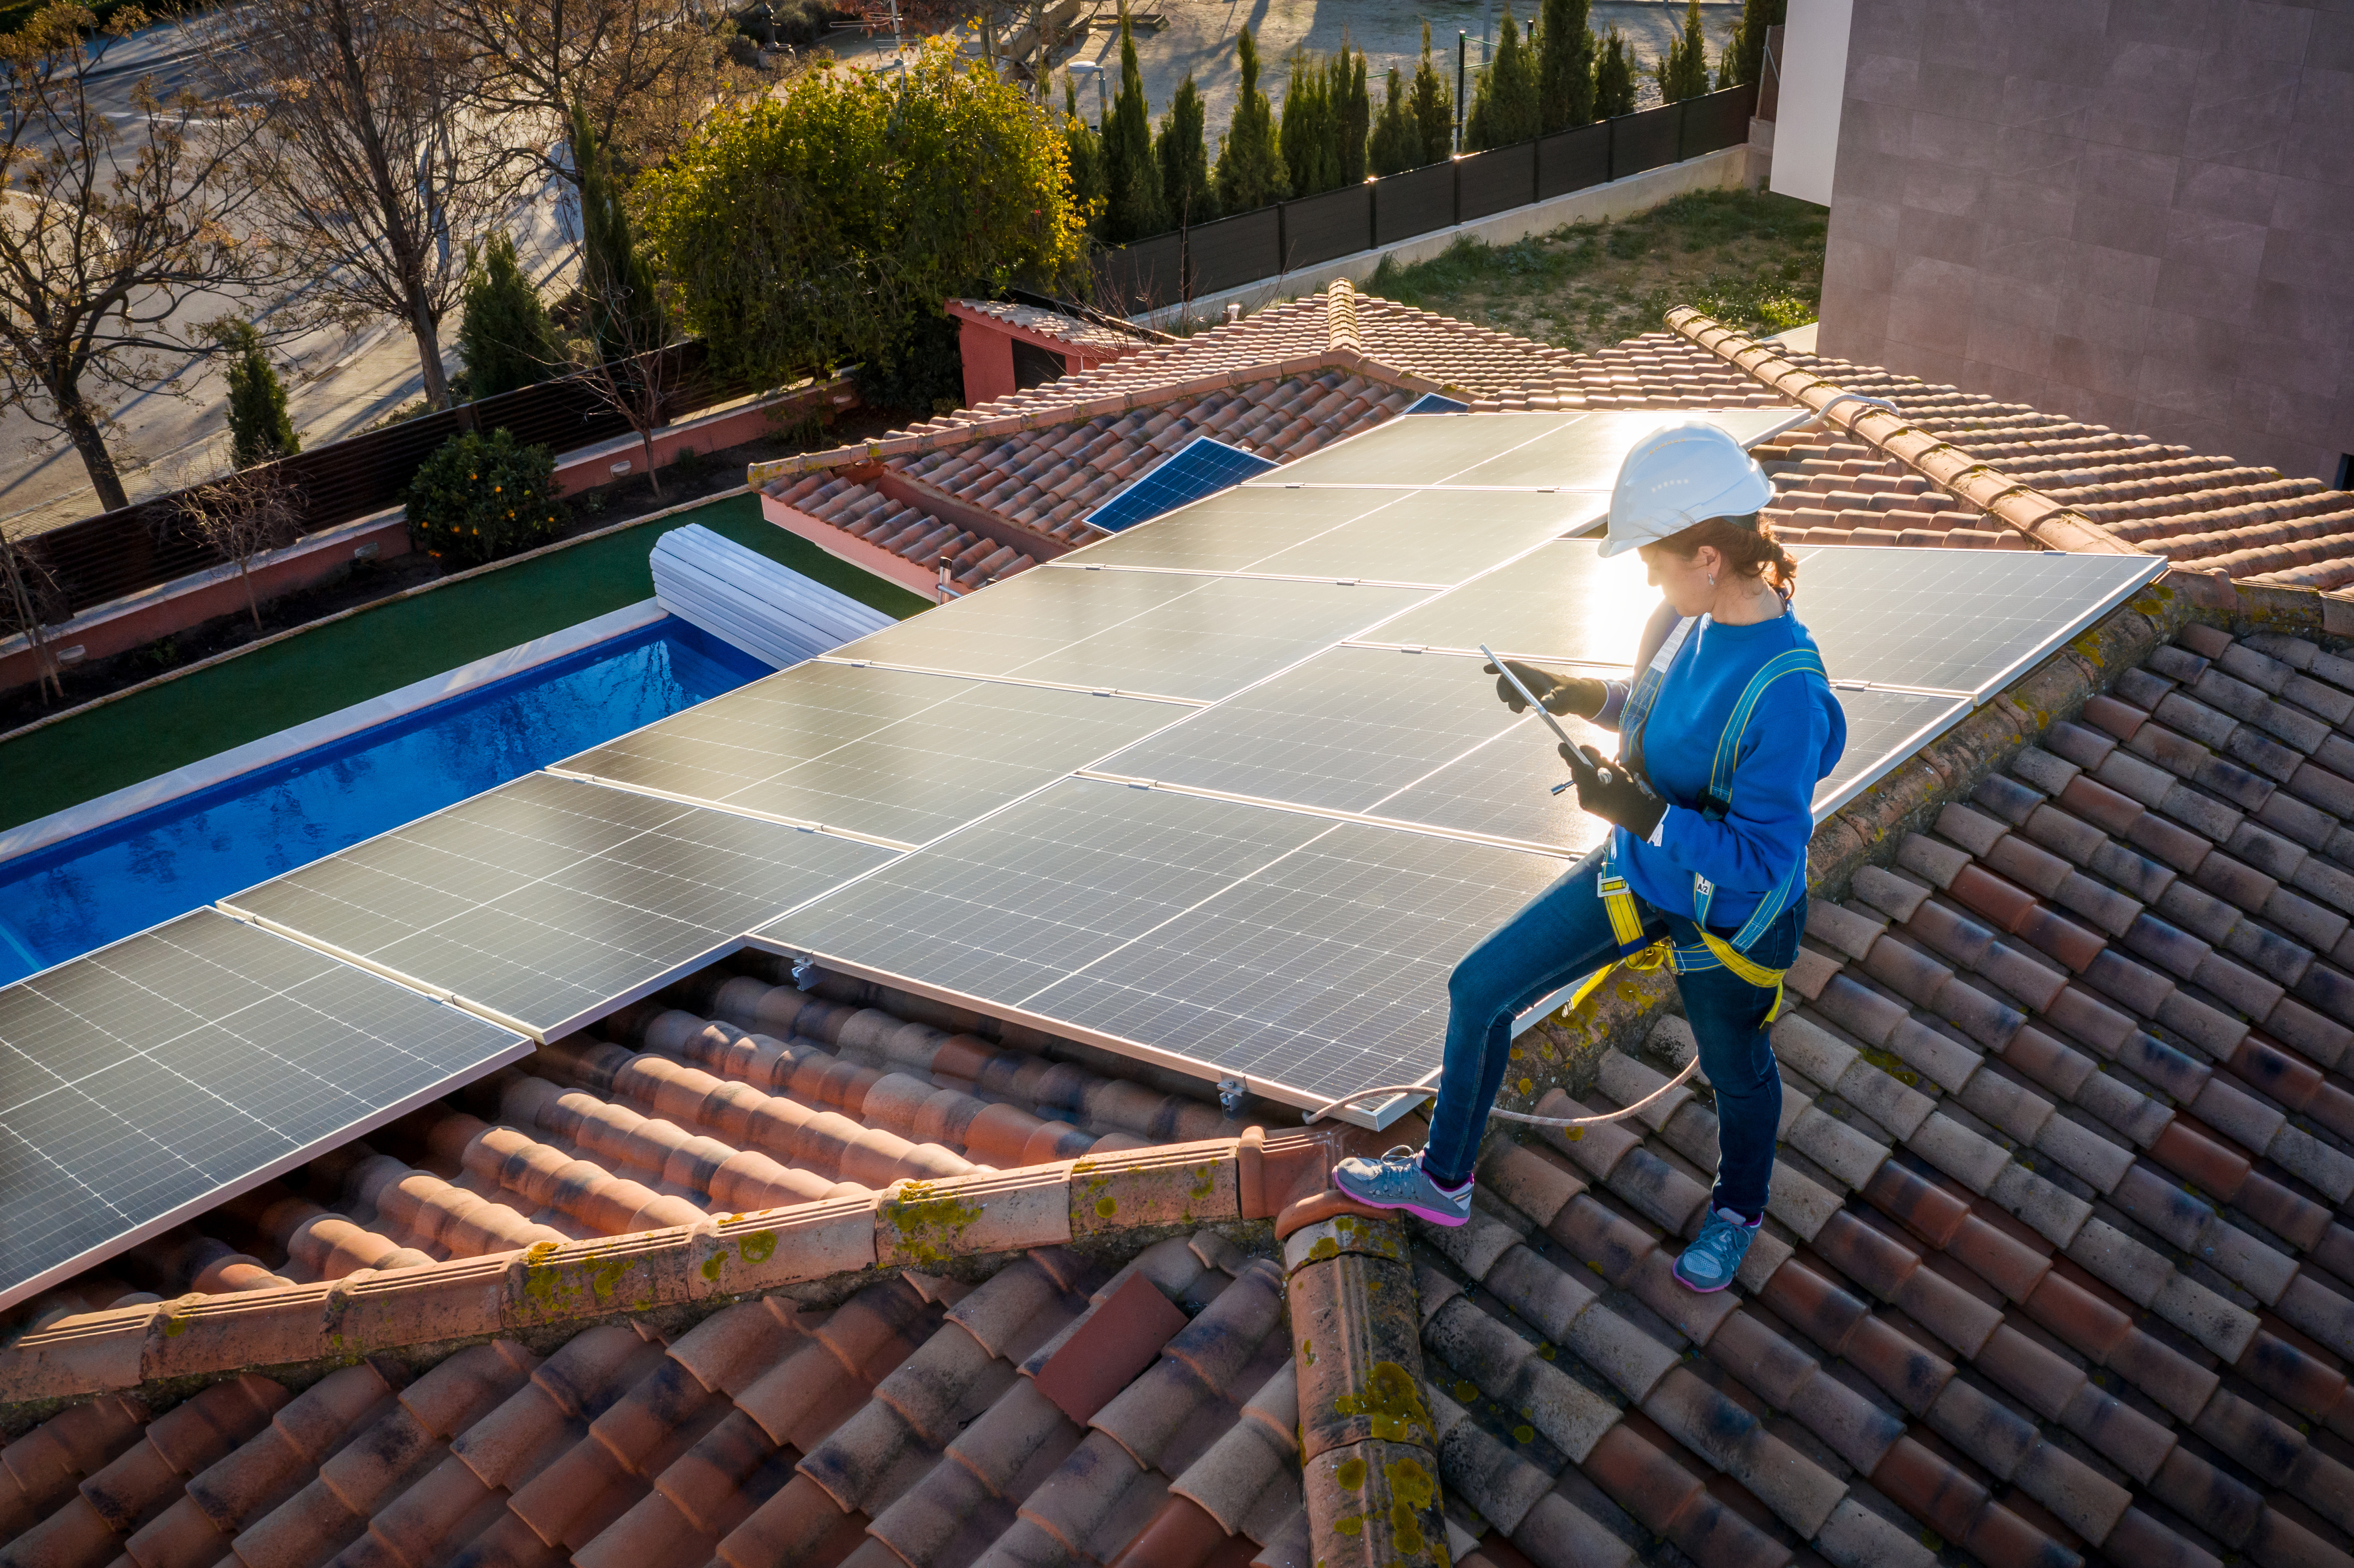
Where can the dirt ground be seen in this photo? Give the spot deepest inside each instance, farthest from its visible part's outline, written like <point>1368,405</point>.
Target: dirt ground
<point>1198,35</point>
<point>1752,259</point>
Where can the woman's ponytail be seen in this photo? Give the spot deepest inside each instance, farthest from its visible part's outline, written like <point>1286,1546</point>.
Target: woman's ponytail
<point>1748,546</point>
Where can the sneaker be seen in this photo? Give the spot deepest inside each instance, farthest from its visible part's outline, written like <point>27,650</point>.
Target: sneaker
<point>1715,1255</point>
<point>1395,1181</point>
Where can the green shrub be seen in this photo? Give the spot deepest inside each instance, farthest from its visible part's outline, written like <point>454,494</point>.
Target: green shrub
<point>507,340</point>
<point>479,498</point>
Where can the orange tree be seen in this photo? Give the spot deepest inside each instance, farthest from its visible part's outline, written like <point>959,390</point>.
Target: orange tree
<point>826,224</point>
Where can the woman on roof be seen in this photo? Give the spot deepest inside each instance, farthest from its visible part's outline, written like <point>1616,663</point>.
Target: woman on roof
<point>1723,737</point>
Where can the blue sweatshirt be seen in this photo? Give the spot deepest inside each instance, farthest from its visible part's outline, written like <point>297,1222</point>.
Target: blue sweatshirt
<point>1794,740</point>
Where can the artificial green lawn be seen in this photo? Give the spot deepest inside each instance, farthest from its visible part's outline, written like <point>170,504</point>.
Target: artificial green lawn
<point>379,649</point>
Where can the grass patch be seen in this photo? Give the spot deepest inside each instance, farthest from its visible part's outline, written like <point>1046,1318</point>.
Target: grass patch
<point>379,649</point>
<point>1750,259</point>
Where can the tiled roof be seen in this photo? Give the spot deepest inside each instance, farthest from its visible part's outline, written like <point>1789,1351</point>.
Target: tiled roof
<point>2056,1262</point>
<point>2069,484</point>
<point>1048,1415</point>
<point>777,1097</point>
<point>1054,325</point>
<point>1281,384</point>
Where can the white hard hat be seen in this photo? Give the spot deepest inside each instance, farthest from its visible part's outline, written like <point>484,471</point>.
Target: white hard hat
<point>1677,476</point>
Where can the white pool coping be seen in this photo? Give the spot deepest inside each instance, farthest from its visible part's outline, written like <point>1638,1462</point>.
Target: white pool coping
<point>254,755</point>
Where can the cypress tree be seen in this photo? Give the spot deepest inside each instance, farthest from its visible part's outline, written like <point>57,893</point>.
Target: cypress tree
<point>1744,58</point>
<point>1614,76</point>
<point>1311,146</point>
<point>1395,144</point>
<point>1564,66</point>
<point>1682,72</point>
<point>258,428</point>
<point>625,313</point>
<point>1184,156</point>
<point>1250,161</point>
<point>505,339</point>
<point>1083,146</point>
<point>1131,177</point>
<point>1504,105</point>
<point>1433,106</point>
<point>1353,111</point>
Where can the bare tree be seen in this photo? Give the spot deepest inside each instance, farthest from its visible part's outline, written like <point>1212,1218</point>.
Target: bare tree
<point>626,321</point>
<point>362,164</point>
<point>645,71</point>
<point>112,220</point>
<point>30,599</point>
<point>242,515</point>
<point>629,373</point>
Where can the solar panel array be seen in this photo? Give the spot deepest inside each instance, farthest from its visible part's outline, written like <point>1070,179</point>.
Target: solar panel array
<point>1247,890</point>
<point>152,1079</point>
<point>1228,791</point>
<point>1201,467</point>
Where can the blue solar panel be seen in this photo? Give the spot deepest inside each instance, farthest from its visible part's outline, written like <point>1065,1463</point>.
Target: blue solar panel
<point>1199,468</point>
<point>1432,403</point>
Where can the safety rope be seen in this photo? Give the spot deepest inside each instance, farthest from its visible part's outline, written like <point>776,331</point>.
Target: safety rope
<point>1419,1090</point>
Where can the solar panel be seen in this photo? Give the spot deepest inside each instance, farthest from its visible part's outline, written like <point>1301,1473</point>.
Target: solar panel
<point>1230,530</point>
<point>1521,451</point>
<point>1562,603</point>
<point>1435,537</point>
<point>1199,468</point>
<point>1956,621</point>
<point>1200,638</point>
<point>886,753</point>
<point>1293,949</point>
<point>1321,973</point>
<point>1432,403</point>
<point>1439,536</point>
<point>1016,901</point>
<point>1504,789</point>
<point>1883,728</point>
<point>152,1079</point>
<point>549,901</point>
<point>1341,731</point>
<point>1410,453</point>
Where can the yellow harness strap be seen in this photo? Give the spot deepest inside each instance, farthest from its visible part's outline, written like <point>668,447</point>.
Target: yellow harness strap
<point>1639,957</point>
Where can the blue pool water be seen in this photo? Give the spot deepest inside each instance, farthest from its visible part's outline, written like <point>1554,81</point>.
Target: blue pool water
<point>92,889</point>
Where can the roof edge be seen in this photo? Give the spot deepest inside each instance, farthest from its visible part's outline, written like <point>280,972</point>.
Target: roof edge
<point>960,1224</point>
<point>917,442</point>
<point>1563,1053</point>
<point>1939,462</point>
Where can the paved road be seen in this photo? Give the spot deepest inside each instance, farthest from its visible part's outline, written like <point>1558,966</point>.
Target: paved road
<point>1199,39</point>
<point>340,381</point>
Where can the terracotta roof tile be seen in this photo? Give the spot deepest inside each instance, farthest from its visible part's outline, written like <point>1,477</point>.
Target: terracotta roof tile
<point>2049,480</point>
<point>2132,1223</point>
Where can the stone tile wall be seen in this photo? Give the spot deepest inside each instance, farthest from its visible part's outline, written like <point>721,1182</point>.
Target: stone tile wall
<point>2140,215</point>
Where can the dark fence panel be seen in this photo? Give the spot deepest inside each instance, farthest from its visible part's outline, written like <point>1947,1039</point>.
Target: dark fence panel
<point>1496,180</point>
<point>1235,250</point>
<point>1572,160</point>
<point>1415,202</point>
<point>117,553</point>
<point>1334,223</point>
<point>1252,246</point>
<point>1717,120</point>
<point>1143,275</point>
<point>1645,140</point>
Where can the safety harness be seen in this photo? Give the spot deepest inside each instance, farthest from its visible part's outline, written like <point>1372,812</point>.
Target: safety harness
<point>1639,953</point>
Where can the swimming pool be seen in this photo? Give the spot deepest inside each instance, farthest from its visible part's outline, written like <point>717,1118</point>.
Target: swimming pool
<point>86,891</point>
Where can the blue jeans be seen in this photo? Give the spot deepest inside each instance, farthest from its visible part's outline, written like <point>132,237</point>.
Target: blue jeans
<point>1563,933</point>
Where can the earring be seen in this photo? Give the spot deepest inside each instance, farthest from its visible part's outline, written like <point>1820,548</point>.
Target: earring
<point>1712,579</point>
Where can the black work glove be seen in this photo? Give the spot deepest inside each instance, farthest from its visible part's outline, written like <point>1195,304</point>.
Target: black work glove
<point>1613,792</point>
<point>1559,693</point>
